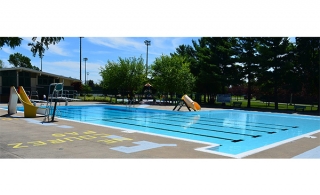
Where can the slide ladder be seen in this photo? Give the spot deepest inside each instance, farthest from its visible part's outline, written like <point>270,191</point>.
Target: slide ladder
<point>186,100</point>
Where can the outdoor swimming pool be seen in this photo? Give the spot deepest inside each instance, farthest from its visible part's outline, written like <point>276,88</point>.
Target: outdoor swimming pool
<point>235,131</point>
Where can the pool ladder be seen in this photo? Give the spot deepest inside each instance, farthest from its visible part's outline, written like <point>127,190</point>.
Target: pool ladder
<point>50,108</point>
<point>129,103</point>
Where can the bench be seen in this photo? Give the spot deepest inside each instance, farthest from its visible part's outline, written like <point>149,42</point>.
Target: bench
<point>237,104</point>
<point>298,107</point>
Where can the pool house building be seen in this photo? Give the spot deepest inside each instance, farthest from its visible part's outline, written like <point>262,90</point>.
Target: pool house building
<point>31,80</point>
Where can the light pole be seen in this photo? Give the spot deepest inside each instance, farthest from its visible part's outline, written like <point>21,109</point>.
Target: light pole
<point>41,56</point>
<point>88,77</point>
<point>80,58</point>
<point>147,44</point>
<point>85,70</point>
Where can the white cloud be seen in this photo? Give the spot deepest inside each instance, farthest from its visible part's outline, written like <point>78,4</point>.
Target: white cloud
<point>72,69</point>
<point>120,43</point>
<point>136,46</point>
<point>58,49</point>
<point>99,52</point>
<point>160,42</point>
<point>7,50</point>
<point>179,41</point>
<point>101,62</point>
<point>167,44</point>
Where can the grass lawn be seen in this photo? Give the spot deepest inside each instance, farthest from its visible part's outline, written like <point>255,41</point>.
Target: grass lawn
<point>281,106</point>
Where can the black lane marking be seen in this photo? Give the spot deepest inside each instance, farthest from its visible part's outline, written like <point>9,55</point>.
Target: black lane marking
<point>269,132</point>
<point>166,115</point>
<point>258,123</point>
<point>215,130</point>
<point>158,117</point>
<point>143,115</point>
<point>182,117</point>
<point>239,121</point>
<point>104,109</point>
<point>283,129</point>
<point>105,113</point>
<point>201,135</point>
<point>134,119</point>
<point>107,110</point>
<point>227,132</point>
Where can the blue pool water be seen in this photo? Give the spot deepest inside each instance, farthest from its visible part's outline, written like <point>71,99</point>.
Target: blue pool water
<point>236,131</point>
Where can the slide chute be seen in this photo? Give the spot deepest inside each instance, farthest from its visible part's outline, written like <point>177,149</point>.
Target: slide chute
<point>189,103</point>
<point>30,111</point>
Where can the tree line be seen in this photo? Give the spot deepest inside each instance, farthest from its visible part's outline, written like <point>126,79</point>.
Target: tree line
<point>268,68</point>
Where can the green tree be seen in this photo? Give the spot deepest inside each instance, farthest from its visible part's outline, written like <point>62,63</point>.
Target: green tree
<point>248,57</point>
<point>171,74</point>
<point>91,83</point>
<point>275,62</point>
<point>19,60</point>
<point>39,46</point>
<point>86,89</point>
<point>307,66</point>
<point>11,42</point>
<point>125,76</point>
<point>214,65</point>
<point>188,53</point>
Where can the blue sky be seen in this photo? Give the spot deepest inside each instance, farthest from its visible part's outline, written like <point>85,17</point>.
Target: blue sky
<point>64,57</point>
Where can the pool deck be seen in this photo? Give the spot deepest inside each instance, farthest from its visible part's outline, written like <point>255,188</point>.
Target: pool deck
<point>29,138</point>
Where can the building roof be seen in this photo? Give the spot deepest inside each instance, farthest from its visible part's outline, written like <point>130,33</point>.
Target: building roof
<point>40,72</point>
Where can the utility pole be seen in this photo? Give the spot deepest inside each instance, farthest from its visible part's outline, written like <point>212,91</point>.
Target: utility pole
<point>147,44</point>
<point>85,70</point>
<point>41,60</point>
<point>80,58</point>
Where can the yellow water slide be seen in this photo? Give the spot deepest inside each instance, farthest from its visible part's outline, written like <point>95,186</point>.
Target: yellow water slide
<point>190,103</point>
<point>30,111</point>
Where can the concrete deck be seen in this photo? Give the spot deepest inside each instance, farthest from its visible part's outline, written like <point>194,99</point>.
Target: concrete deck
<point>30,138</point>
